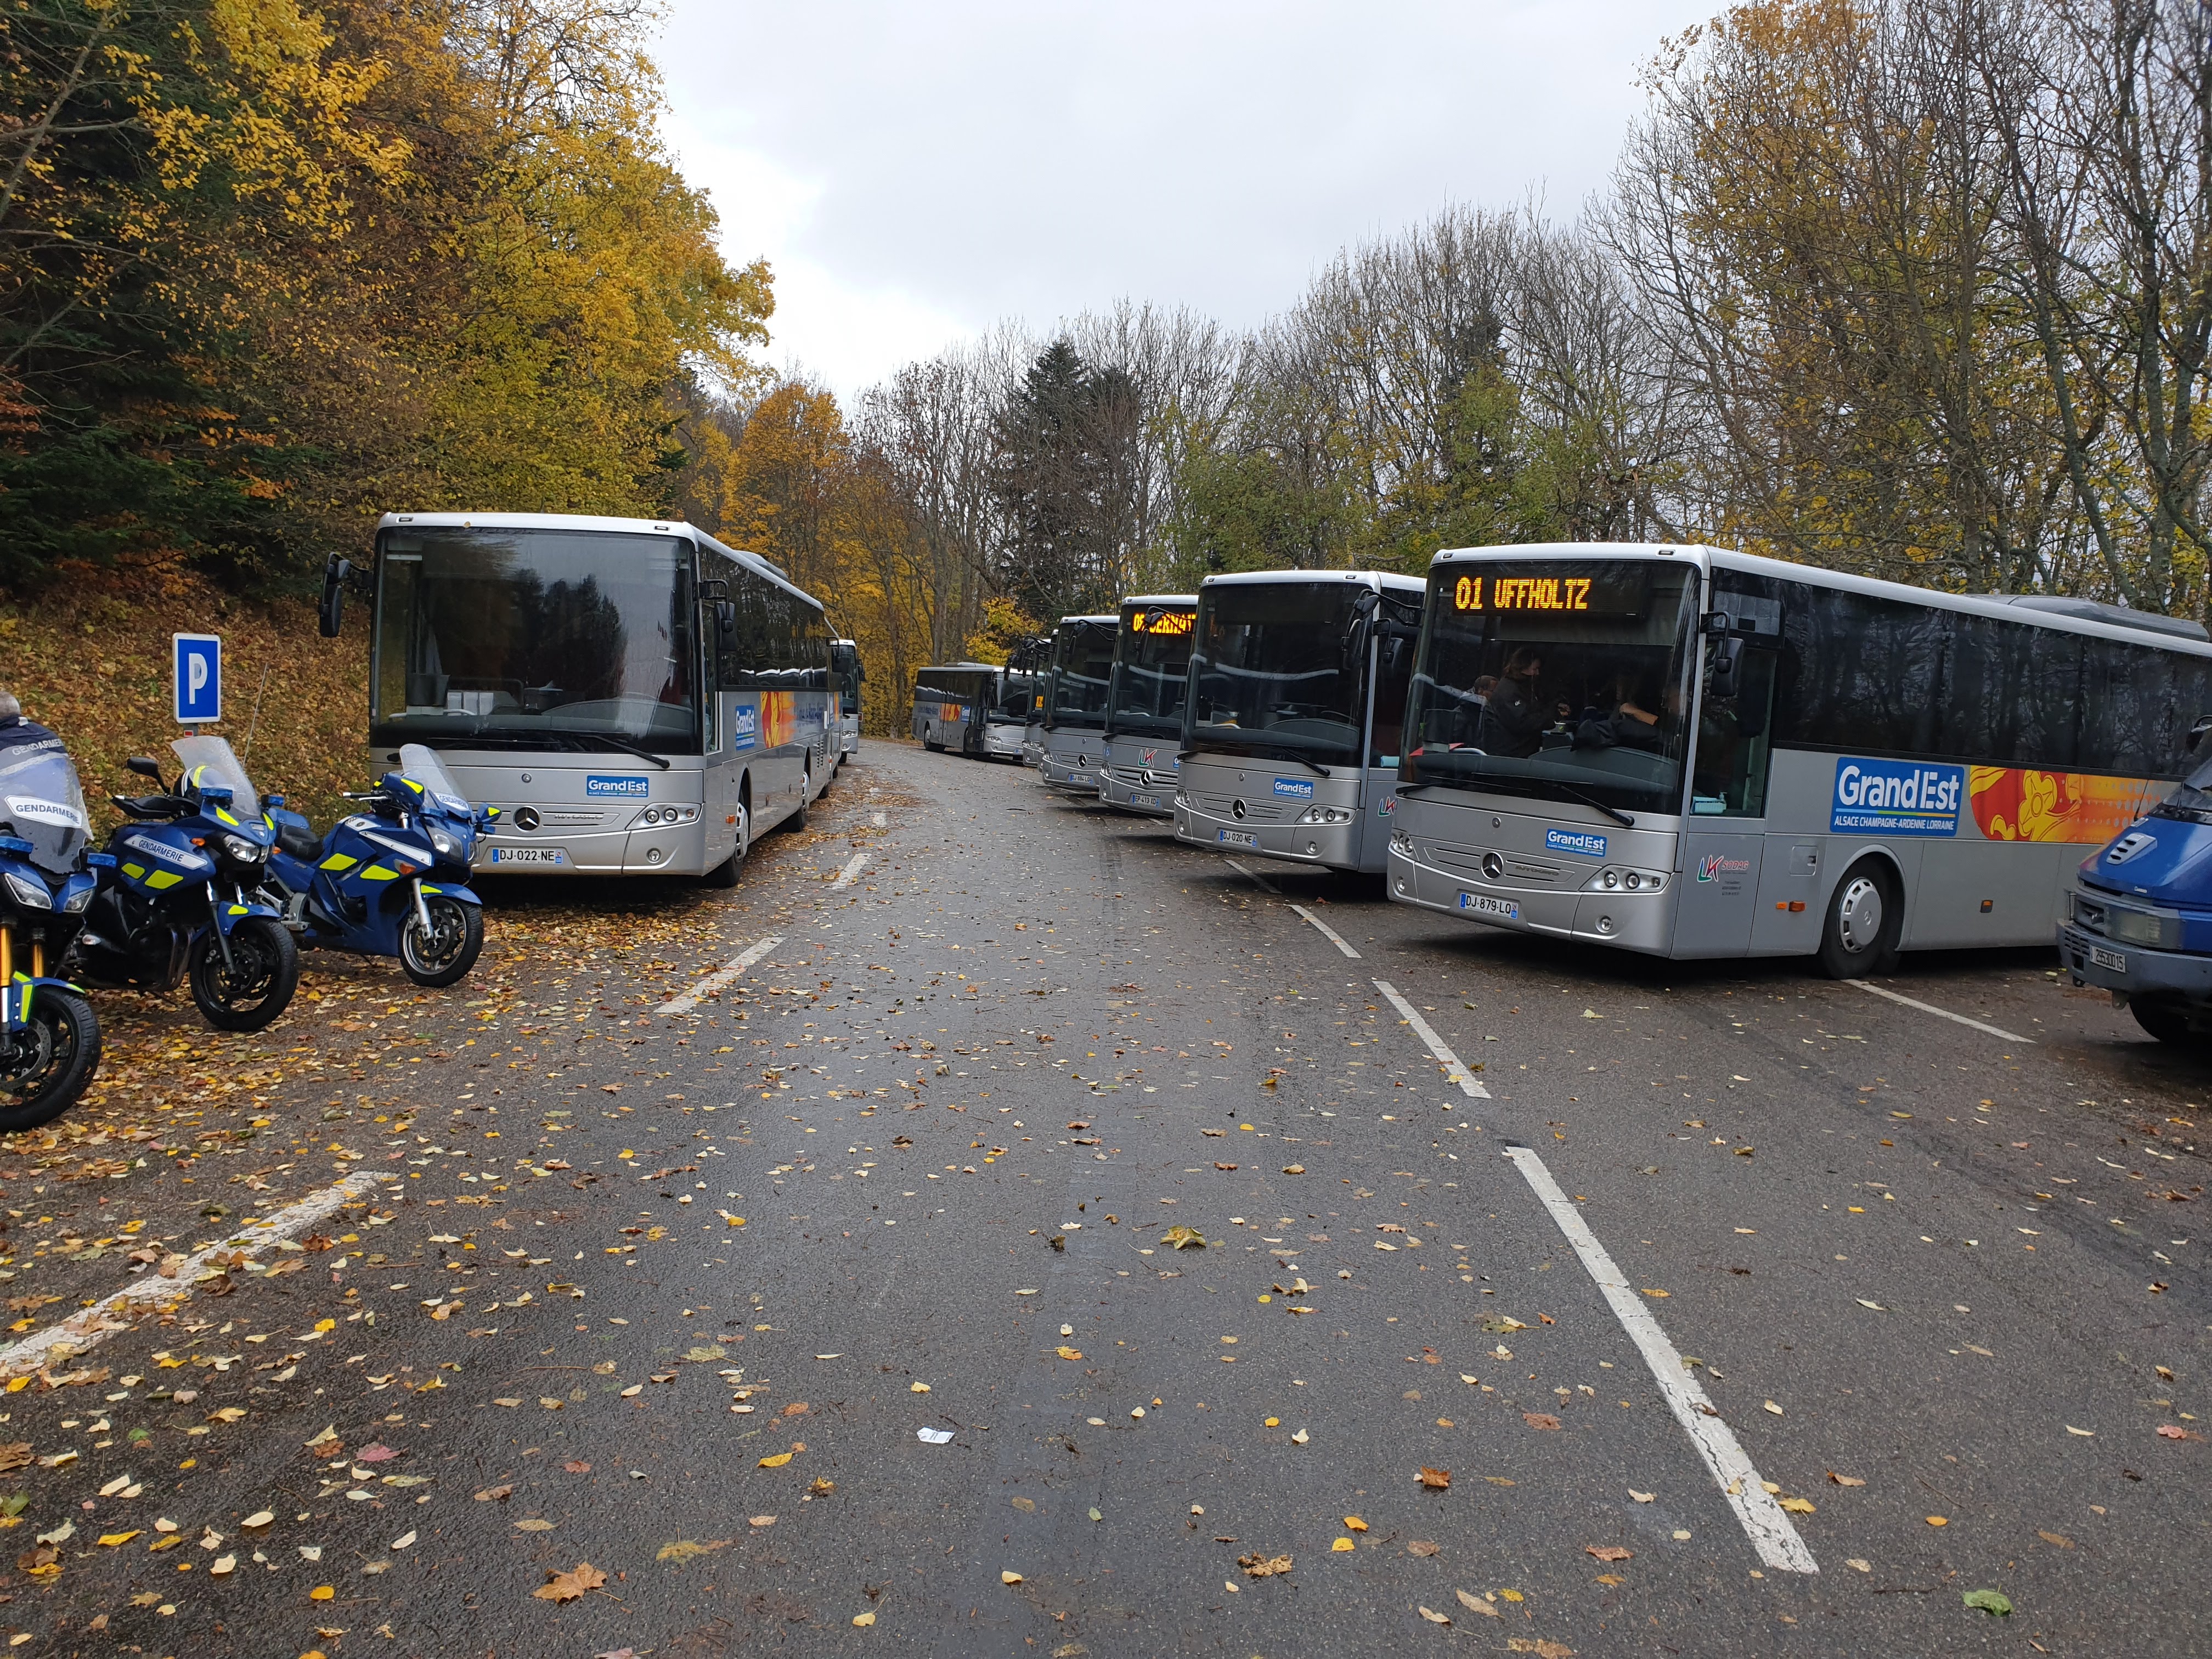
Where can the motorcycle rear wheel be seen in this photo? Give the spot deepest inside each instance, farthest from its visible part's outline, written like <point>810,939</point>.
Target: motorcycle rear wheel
<point>60,1052</point>
<point>258,987</point>
<point>450,950</point>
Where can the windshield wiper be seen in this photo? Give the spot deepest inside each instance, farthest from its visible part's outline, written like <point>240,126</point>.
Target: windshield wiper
<point>1315,767</point>
<point>1613,812</point>
<point>575,739</point>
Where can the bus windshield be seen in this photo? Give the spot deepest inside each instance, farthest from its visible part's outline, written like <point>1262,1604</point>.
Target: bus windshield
<point>1154,660</point>
<point>1083,664</point>
<point>1274,672</point>
<point>535,638</point>
<point>1556,679</point>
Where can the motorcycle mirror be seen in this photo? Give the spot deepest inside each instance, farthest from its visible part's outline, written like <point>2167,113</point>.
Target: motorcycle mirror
<point>331,612</point>
<point>145,766</point>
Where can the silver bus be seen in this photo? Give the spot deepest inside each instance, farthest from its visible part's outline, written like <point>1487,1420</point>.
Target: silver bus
<point>638,698</point>
<point>952,703</point>
<point>1005,724</point>
<point>1144,706</point>
<point>1692,752</point>
<point>1032,660</point>
<point>846,679</point>
<point>1289,736</point>
<point>1075,703</point>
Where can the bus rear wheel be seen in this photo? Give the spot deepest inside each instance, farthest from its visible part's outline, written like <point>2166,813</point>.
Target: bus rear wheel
<point>1865,916</point>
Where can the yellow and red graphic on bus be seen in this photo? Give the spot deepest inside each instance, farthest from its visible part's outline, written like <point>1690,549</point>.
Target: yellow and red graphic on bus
<point>951,711</point>
<point>2014,804</point>
<point>779,718</point>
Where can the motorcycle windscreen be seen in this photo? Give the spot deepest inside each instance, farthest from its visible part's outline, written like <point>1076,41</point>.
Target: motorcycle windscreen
<point>208,761</point>
<point>423,766</point>
<point>41,802</point>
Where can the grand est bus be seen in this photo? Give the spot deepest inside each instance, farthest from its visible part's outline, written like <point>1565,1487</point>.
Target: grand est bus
<point>953,703</point>
<point>1693,752</point>
<point>1144,703</point>
<point>1075,703</point>
<point>1290,727</point>
<point>1031,660</point>
<point>636,697</point>
<point>846,679</point>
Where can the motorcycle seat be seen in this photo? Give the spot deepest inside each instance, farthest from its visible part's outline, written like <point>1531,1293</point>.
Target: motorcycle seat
<point>151,806</point>
<point>298,840</point>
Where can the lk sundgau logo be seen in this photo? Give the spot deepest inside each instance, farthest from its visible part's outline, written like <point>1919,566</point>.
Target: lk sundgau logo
<point>1897,798</point>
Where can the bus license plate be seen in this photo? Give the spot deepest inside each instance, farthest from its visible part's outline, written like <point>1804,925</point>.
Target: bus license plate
<point>1144,801</point>
<point>528,855</point>
<point>2112,959</point>
<point>1236,838</point>
<point>1482,904</point>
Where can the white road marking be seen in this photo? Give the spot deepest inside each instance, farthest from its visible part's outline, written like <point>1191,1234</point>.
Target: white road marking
<point>1770,1530</point>
<point>853,866</point>
<point>1253,875</point>
<point>1327,931</point>
<point>1940,1013</point>
<point>721,976</point>
<point>88,1326</point>
<point>1435,1044</point>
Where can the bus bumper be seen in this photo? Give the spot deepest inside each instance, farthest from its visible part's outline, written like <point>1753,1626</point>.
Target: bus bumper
<point>1436,877</point>
<point>662,850</point>
<point>2130,970</point>
<point>1334,845</point>
<point>1074,774</point>
<point>1150,800</point>
<point>1002,742</point>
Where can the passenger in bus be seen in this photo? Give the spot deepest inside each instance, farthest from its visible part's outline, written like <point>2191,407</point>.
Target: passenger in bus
<point>1514,718</point>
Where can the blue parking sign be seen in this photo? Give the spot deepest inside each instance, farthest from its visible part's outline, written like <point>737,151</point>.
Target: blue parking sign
<point>199,669</point>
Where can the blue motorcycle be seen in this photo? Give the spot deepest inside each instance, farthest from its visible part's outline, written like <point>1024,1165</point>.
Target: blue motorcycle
<point>179,903</point>
<point>49,1035</point>
<point>391,881</point>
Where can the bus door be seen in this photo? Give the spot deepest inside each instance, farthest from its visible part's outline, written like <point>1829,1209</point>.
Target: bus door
<point>1723,840</point>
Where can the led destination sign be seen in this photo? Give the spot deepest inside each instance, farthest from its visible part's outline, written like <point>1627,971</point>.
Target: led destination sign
<point>1162,622</point>
<point>1500,593</point>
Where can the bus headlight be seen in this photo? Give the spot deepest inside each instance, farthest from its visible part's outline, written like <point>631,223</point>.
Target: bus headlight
<point>1619,878</point>
<point>2158,930</point>
<point>1401,843</point>
<point>1325,815</point>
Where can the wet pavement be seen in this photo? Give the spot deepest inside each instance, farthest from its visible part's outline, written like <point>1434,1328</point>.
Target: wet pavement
<point>798,1269</point>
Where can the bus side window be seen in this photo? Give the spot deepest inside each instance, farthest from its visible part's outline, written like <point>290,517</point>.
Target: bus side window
<point>1734,740</point>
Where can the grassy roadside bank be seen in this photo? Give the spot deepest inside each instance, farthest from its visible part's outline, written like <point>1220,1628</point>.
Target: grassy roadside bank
<point>91,660</point>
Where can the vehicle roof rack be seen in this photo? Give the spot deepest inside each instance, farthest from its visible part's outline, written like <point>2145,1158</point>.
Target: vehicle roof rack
<point>2117,616</point>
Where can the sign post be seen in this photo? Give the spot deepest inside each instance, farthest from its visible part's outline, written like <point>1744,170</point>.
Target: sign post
<point>198,670</point>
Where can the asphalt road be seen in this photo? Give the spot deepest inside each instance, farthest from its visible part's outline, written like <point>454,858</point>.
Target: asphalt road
<point>665,1302</point>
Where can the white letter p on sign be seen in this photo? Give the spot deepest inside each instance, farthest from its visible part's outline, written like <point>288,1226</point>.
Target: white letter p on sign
<point>197,672</point>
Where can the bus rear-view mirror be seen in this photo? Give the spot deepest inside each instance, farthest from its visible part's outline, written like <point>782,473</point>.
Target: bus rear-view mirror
<point>1728,667</point>
<point>330,612</point>
<point>726,620</point>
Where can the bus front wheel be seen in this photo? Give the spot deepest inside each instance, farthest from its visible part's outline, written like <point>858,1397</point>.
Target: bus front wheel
<point>2168,1022</point>
<point>1865,916</point>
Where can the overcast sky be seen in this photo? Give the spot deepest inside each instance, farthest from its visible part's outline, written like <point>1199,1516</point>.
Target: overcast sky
<point>916,172</point>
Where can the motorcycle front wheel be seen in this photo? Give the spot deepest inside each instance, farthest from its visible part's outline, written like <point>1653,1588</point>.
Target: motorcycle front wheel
<point>54,1056</point>
<point>259,984</point>
<point>449,949</point>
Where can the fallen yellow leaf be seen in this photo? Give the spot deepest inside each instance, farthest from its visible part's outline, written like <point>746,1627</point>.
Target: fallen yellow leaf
<point>321,1593</point>
<point>1343,1545</point>
<point>112,1539</point>
<point>1067,1352</point>
<point>1009,1578</point>
<point>862,1620</point>
<point>774,1461</point>
<point>1353,1523</point>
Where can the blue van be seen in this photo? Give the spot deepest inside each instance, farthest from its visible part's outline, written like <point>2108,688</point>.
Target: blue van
<point>2140,921</point>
